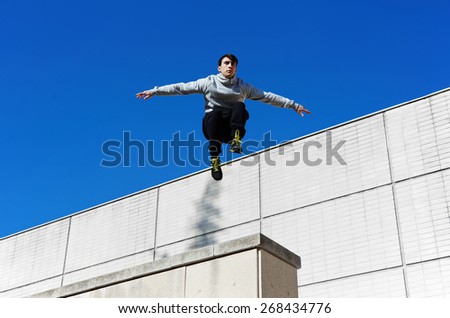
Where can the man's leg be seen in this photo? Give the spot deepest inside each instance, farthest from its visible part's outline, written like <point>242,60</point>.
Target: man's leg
<point>239,117</point>
<point>213,127</point>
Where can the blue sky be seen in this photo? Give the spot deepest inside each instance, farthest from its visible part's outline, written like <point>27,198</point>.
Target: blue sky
<point>69,72</point>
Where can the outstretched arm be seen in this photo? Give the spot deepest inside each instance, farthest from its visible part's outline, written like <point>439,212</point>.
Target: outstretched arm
<point>274,99</point>
<point>194,87</point>
<point>144,95</point>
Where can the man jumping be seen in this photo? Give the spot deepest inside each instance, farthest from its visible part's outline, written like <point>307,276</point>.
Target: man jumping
<point>225,111</point>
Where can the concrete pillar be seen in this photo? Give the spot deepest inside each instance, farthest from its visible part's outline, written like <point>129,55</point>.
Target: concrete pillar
<point>251,267</point>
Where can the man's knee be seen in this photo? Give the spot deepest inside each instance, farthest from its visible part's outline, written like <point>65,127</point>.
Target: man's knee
<point>240,111</point>
<point>239,106</point>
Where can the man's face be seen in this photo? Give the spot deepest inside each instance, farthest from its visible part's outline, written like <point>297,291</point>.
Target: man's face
<point>227,68</point>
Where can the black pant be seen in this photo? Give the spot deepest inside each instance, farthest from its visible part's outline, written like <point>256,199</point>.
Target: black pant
<point>220,126</point>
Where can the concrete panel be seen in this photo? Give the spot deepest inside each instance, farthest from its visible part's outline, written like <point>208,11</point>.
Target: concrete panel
<point>112,231</point>
<point>278,279</point>
<point>429,279</point>
<point>341,237</point>
<point>423,208</point>
<point>386,283</point>
<point>418,137</point>
<point>234,276</point>
<point>169,284</point>
<point>288,181</point>
<point>198,205</point>
<point>440,109</point>
<point>33,256</point>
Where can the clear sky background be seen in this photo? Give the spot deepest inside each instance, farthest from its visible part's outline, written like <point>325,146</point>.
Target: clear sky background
<point>69,72</point>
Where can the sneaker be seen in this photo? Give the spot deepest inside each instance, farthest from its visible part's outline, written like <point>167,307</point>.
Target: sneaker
<point>235,145</point>
<point>216,171</point>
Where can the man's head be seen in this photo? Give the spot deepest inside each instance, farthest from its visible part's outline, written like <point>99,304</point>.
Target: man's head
<point>228,65</point>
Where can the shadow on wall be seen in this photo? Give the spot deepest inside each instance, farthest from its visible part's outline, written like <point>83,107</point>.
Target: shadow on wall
<point>209,215</point>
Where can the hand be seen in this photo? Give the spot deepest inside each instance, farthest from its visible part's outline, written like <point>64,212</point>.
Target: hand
<point>145,95</point>
<point>301,110</point>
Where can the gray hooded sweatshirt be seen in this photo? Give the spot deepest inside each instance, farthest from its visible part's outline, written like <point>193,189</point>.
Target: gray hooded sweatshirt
<point>222,93</point>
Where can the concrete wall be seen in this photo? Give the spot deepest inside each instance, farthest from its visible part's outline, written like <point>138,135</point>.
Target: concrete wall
<point>249,267</point>
<point>377,226</point>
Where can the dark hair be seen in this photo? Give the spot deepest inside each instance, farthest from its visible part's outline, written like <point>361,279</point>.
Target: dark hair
<point>230,56</point>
